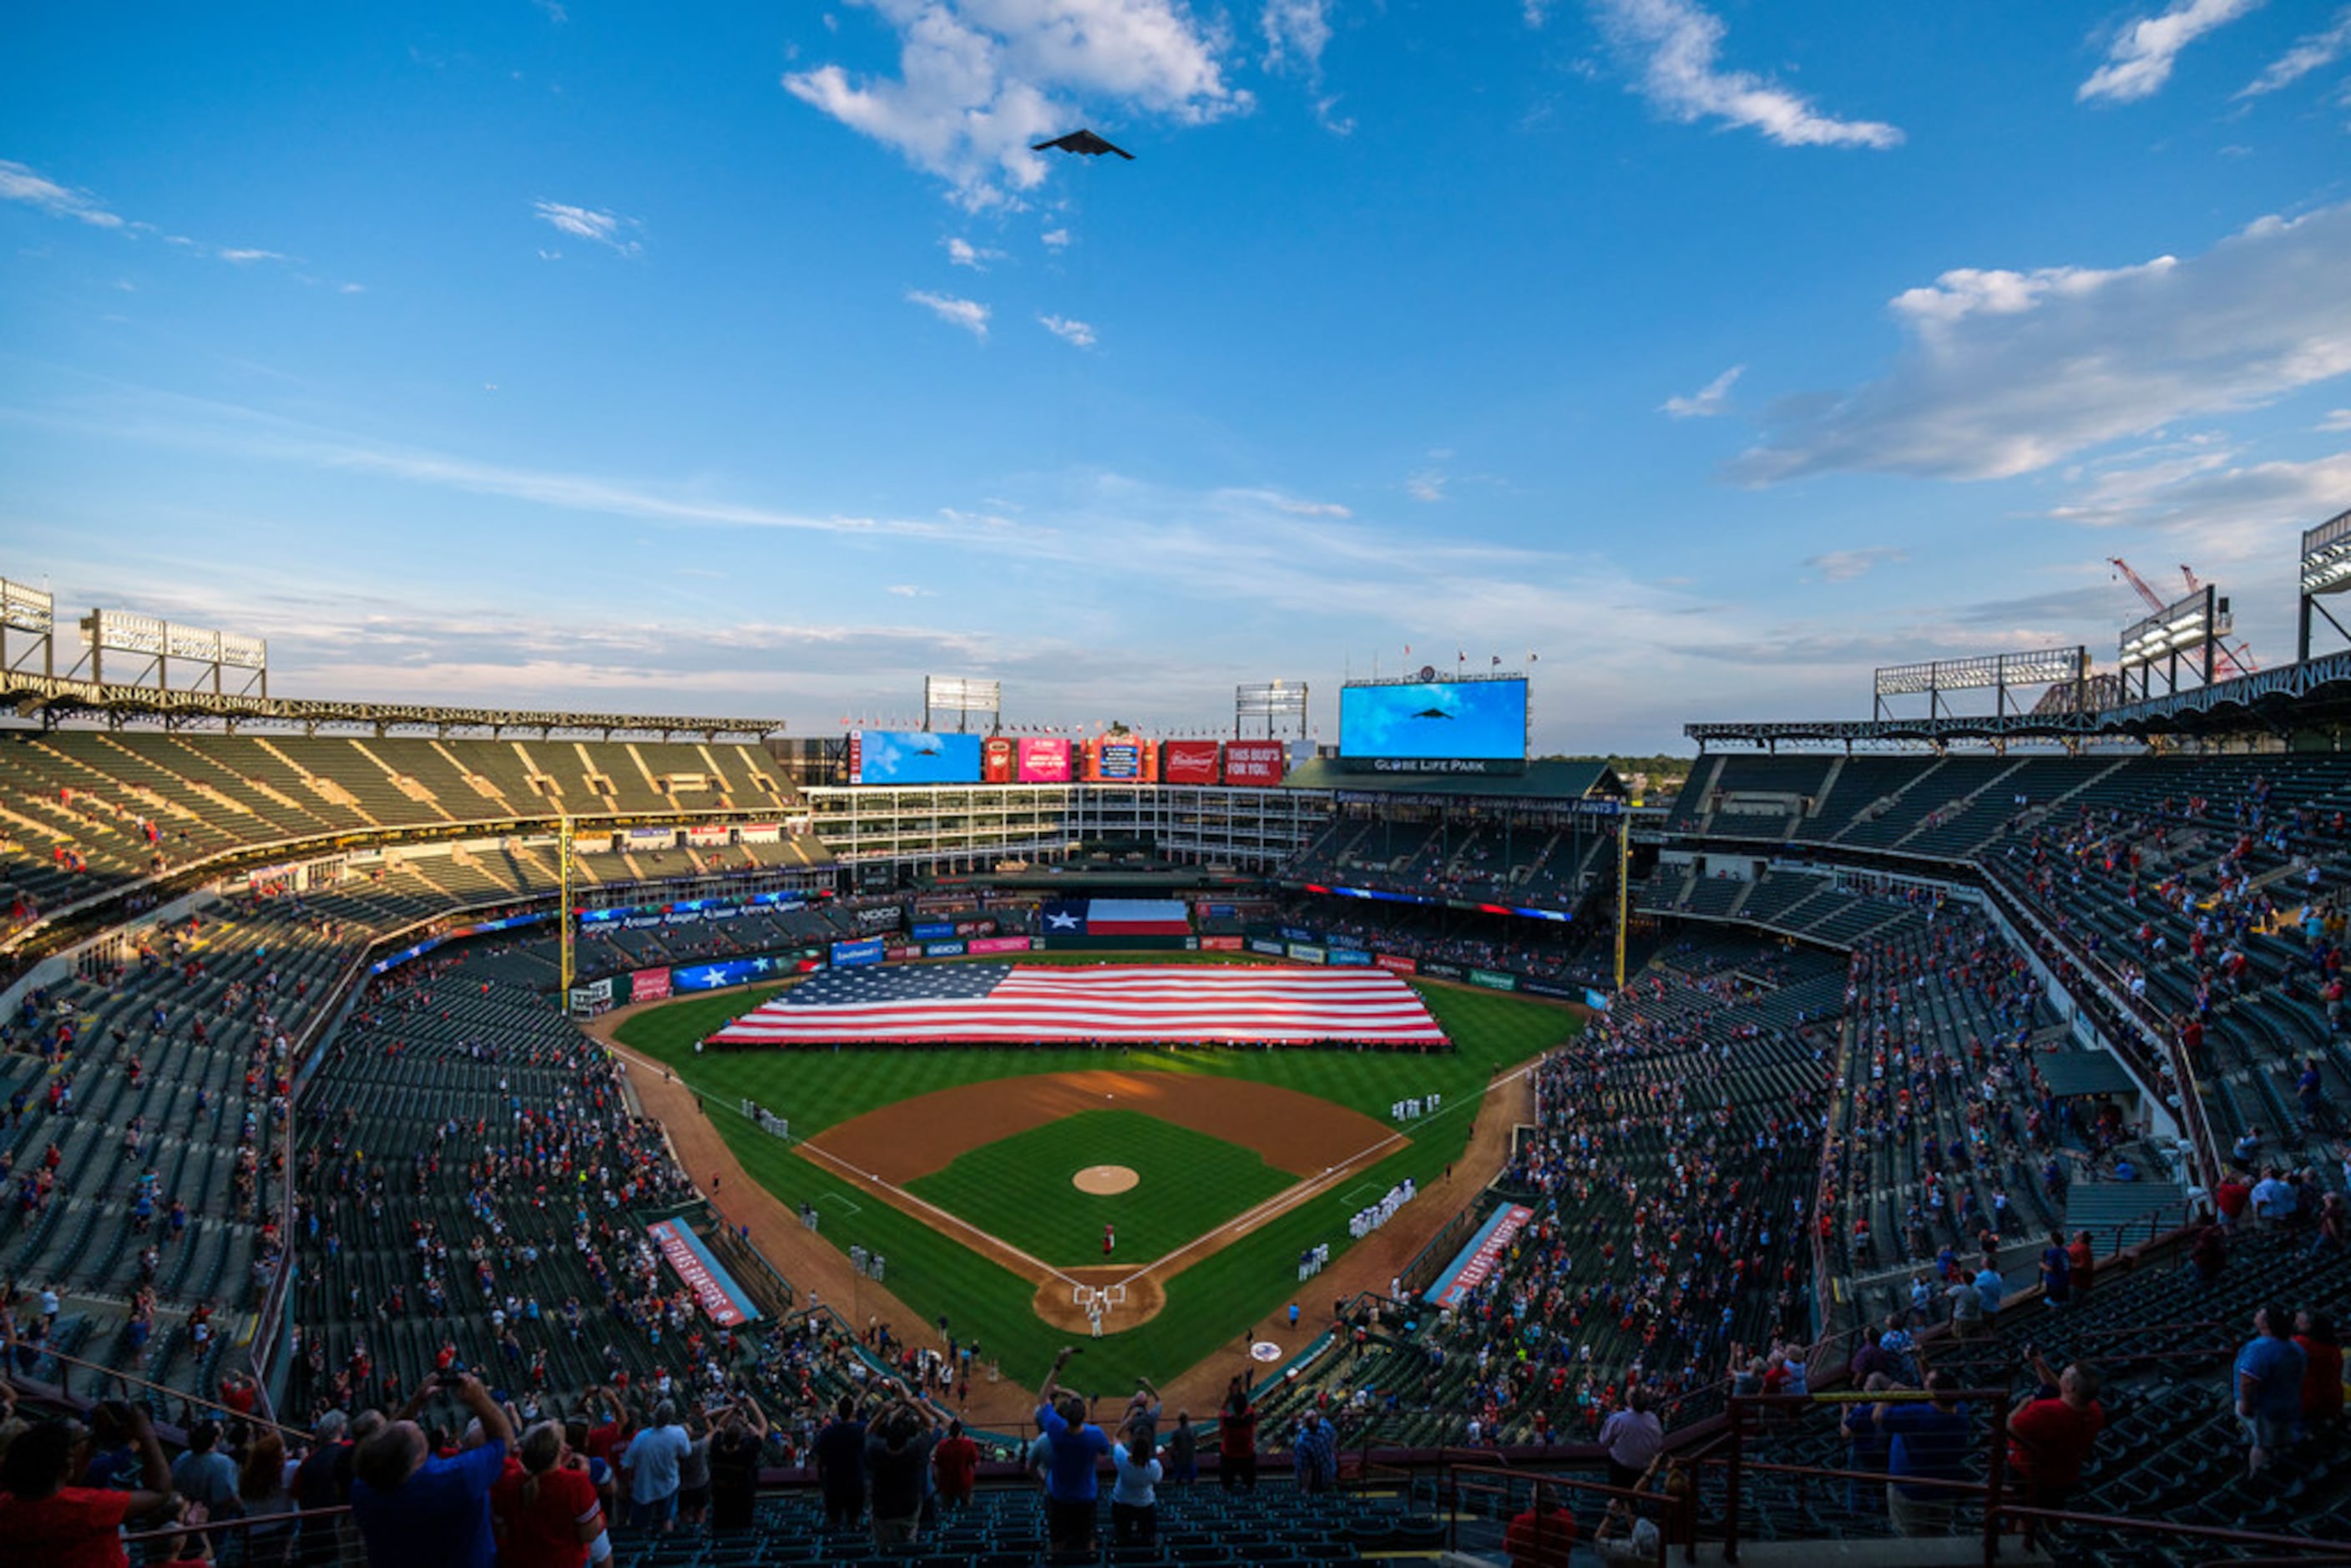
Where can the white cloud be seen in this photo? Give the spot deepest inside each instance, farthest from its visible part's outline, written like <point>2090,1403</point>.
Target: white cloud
<point>2313,51</point>
<point>1298,509</point>
<point>1707,401</point>
<point>1298,30</point>
<point>981,81</point>
<point>963,253</point>
<point>968,314</point>
<point>1844,564</point>
<point>605,228</point>
<point>352,289</point>
<point>19,183</point>
<point>2139,60</point>
<point>552,11</point>
<point>1428,484</point>
<point>1056,239</point>
<point>1076,333</point>
<point>909,591</point>
<point>2007,372</point>
<point>2337,420</point>
<point>1674,45</point>
<point>243,257</point>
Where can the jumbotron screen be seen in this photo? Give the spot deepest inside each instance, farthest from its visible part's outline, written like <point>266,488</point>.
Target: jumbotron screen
<point>901,757</point>
<point>1435,727</point>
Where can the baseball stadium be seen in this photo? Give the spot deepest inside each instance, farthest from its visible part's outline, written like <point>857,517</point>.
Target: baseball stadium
<point>672,1058</point>
<point>1157,784</point>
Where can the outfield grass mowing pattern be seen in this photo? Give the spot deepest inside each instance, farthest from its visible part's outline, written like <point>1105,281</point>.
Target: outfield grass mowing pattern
<point>1018,1188</point>
<point>1213,1298</point>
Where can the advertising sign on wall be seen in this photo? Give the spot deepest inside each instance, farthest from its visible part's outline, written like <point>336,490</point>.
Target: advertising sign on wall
<point>1187,762</point>
<point>1122,760</point>
<point>998,944</point>
<point>1395,963</point>
<point>996,761</point>
<point>723,1301</point>
<point>648,985</point>
<point>1259,763</point>
<point>1307,953</point>
<point>1220,943</point>
<point>851,955</point>
<point>1044,759</point>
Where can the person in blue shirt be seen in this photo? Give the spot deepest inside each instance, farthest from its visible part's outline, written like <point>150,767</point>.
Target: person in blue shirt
<point>1074,1446</point>
<point>1925,1441</point>
<point>2268,1379</point>
<point>411,1508</point>
<point>1990,1286</point>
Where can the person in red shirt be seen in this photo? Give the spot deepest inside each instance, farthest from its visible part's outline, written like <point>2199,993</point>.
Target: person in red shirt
<point>956,1462</point>
<point>2052,1432</point>
<point>2229,1196</point>
<point>613,1433</point>
<point>74,1527</point>
<point>1237,1437</point>
<point>547,1513</point>
<point>1540,1537</point>
<point>2321,1370</point>
<point>2084,1264</point>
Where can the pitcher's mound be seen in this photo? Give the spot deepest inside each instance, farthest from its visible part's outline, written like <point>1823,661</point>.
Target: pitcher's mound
<point>1103,1180</point>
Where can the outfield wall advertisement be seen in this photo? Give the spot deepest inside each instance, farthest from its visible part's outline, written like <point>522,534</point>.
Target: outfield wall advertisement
<point>723,1301</point>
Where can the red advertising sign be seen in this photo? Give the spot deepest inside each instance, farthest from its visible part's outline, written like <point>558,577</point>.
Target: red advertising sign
<point>997,945</point>
<point>711,1285</point>
<point>996,766</point>
<point>1044,759</point>
<point>900,955</point>
<point>1220,943</point>
<point>1394,965</point>
<point>648,985</point>
<point>1187,761</point>
<point>1253,762</point>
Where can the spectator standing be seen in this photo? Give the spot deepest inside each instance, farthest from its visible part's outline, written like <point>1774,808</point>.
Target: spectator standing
<point>693,1474</point>
<point>954,1463</point>
<point>2268,1378</point>
<point>2053,1432</point>
<point>735,1464</point>
<point>651,1466</point>
<point>2322,1373</point>
<point>1992,1287</point>
<point>413,1507</point>
<point>2057,1271</point>
<point>1074,1444</point>
<point>74,1527</point>
<point>897,1459</point>
<point>323,1481</point>
<point>1134,1496</point>
<point>840,1466</point>
<point>547,1511</point>
<point>262,1493</point>
<point>1183,1451</point>
<point>1541,1537</point>
<point>1631,1436</point>
<point>1315,1453</point>
<point>1865,1448</point>
<point>205,1476</point>
<point>1237,1437</point>
<point>1927,1441</point>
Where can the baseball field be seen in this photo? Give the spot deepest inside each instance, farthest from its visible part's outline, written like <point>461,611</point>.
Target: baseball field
<point>986,1177</point>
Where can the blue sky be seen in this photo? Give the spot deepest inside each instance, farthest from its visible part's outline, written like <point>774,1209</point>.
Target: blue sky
<point>746,359</point>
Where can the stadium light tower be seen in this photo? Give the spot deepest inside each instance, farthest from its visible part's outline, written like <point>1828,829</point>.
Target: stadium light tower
<point>1276,703</point>
<point>2326,570</point>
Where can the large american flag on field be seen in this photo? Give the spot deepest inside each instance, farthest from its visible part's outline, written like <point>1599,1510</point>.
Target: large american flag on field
<point>1026,1003</point>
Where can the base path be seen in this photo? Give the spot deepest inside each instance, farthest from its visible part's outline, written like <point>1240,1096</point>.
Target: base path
<point>909,1139</point>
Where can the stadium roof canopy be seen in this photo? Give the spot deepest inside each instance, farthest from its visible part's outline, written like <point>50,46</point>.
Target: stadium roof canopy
<point>1549,783</point>
<point>2311,693</point>
<point>55,698</point>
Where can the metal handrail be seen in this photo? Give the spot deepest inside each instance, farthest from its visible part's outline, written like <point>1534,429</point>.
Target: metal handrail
<point>1634,1496</point>
<point>292,1518</point>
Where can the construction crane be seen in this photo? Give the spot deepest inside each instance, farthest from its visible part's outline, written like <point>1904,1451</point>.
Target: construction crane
<point>2237,661</point>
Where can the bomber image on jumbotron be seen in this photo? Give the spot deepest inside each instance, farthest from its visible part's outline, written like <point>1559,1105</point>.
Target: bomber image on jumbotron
<point>1129,782</point>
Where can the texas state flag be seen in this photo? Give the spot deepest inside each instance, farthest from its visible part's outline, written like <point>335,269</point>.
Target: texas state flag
<point>1117,917</point>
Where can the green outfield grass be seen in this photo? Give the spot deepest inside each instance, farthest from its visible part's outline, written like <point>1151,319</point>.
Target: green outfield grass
<point>1018,1189</point>
<point>1208,1303</point>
